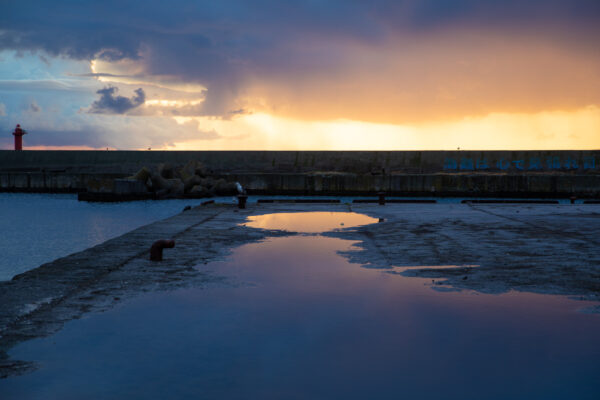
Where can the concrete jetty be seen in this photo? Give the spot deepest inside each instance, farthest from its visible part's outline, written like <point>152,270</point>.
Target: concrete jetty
<point>542,248</point>
<point>408,173</point>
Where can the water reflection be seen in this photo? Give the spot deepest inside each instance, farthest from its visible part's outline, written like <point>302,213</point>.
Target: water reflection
<point>309,222</point>
<point>38,228</point>
<point>308,324</point>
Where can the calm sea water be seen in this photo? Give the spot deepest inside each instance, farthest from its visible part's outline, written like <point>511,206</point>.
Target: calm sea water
<point>38,228</point>
<point>301,322</point>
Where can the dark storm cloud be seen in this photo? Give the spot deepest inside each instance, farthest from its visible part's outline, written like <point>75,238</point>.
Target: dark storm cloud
<point>110,103</point>
<point>224,44</point>
<point>113,29</point>
<point>213,35</point>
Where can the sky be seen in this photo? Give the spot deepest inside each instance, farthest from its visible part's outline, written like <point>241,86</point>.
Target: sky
<point>301,75</point>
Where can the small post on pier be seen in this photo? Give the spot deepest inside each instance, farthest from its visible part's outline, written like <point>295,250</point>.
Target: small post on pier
<point>242,200</point>
<point>381,198</point>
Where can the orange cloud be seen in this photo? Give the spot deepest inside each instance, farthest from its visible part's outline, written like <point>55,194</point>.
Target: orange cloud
<point>438,77</point>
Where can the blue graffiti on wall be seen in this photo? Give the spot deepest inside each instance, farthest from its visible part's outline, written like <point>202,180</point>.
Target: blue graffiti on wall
<point>535,164</point>
<point>503,164</point>
<point>570,164</point>
<point>532,164</point>
<point>589,163</point>
<point>482,164</point>
<point>450,163</point>
<point>519,164</point>
<point>553,162</point>
<point>466,164</point>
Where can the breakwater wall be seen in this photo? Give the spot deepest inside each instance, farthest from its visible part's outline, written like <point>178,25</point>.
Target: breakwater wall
<point>481,173</point>
<point>418,162</point>
<point>54,181</point>
<point>461,184</point>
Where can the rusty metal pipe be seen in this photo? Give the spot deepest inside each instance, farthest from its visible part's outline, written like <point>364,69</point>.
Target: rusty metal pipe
<point>156,251</point>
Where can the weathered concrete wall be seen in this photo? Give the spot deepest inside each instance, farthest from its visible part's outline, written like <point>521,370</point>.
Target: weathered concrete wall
<point>54,182</point>
<point>414,162</point>
<point>481,173</point>
<point>442,184</point>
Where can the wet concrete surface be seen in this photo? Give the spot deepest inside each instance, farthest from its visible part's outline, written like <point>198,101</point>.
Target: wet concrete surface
<point>38,302</point>
<point>534,248</point>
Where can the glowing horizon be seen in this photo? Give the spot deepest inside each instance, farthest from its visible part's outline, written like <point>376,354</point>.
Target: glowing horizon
<point>555,130</point>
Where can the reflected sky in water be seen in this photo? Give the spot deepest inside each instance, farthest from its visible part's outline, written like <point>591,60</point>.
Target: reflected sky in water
<point>309,222</point>
<point>300,322</point>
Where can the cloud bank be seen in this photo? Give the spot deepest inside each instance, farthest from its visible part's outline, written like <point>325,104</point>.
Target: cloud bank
<point>93,71</point>
<point>387,61</point>
<point>110,103</point>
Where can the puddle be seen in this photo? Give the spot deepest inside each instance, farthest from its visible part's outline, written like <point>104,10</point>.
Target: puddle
<point>309,222</point>
<point>305,323</point>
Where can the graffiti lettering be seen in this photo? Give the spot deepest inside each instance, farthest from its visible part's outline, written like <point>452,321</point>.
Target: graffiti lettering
<point>519,164</point>
<point>466,164</point>
<point>503,164</point>
<point>450,163</point>
<point>570,164</point>
<point>535,163</point>
<point>482,164</point>
<point>589,163</point>
<point>532,164</point>
<point>553,162</point>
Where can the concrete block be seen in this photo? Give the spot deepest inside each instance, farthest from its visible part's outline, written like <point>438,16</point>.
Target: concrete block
<point>99,185</point>
<point>130,186</point>
<point>37,181</point>
<point>20,180</point>
<point>66,181</point>
<point>5,181</point>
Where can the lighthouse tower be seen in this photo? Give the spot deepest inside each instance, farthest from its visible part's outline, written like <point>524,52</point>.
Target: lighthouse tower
<point>18,133</point>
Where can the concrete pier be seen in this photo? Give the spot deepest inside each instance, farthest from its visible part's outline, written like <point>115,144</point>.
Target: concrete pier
<point>534,248</point>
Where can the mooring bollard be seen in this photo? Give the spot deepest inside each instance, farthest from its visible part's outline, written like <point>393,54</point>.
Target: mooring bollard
<point>156,251</point>
<point>381,198</point>
<point>573,198</point>
<point>242,200</point>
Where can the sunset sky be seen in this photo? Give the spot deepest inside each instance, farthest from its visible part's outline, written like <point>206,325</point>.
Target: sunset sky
<point>301,75</point>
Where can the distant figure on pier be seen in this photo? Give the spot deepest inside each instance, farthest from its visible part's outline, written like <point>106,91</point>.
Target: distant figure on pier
<point>18,133</point>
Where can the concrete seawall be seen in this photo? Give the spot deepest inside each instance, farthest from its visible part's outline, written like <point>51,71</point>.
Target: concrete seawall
<point>413,162</point>
<point>52,181</point>
<point>443,173</point>
<point>540,185</point>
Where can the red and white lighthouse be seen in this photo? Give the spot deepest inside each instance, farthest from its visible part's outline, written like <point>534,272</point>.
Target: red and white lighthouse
<point>18,133</point>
